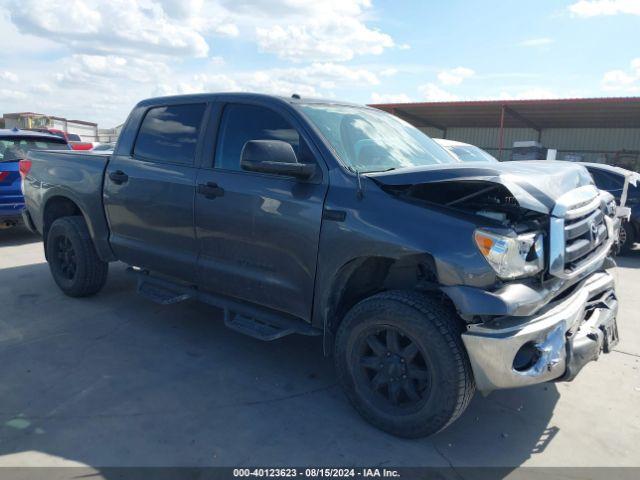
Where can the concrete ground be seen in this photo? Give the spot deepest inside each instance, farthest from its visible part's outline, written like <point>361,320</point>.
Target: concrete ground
<point>115,380</point>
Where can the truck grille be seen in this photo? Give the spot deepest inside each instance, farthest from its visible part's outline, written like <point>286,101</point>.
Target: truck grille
<point>582,236</point>
<point>578,233</point>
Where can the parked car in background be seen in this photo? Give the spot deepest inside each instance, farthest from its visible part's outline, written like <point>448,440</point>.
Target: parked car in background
<point>52,131</point>
<point>104,148</point>
<point>465,152</point>
<point>623,185</point>
<point>73,139</point>
<point>426,276</point>
<point>77,143</point>
<point>14,146</point>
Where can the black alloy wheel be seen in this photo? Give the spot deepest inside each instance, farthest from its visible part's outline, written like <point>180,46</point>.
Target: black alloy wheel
<point>394,368</point>
<point>66,258</point>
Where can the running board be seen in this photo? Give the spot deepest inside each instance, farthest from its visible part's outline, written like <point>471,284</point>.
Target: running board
<point>257,322</point>
<point>262,329</point>
<point>160,293</point>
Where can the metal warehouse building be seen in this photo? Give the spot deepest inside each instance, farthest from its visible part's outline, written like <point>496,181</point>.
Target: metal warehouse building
<point>88,131</point>
<point>603,130</point>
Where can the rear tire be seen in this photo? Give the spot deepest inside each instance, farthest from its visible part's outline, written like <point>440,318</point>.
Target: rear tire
<point>627,238</point>
<point>72,257</point>
<point>400,359</point>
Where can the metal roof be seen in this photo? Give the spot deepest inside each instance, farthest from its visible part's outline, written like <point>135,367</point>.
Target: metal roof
<point>622,112</point>
<point>34,114</point>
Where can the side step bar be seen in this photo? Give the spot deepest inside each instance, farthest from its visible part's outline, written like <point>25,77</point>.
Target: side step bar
<point>257,322</point>
<point>160,293</point>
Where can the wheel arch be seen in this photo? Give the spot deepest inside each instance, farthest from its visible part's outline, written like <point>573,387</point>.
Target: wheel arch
<point>62,205</point>
<point>365,276</point>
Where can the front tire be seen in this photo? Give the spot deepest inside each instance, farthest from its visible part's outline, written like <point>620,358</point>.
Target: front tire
<point>72,257</point>
<point>400,359</point>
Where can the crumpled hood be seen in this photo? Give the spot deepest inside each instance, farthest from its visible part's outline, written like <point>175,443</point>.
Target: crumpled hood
<point>536,185</point>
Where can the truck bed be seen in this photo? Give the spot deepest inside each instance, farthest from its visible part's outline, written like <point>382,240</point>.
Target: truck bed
<point>75,175</point>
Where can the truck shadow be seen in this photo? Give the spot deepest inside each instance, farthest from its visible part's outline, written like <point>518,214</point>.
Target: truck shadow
<point>114,380</point>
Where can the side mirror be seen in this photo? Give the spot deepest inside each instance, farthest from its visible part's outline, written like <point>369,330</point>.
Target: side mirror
<point>275,157</point>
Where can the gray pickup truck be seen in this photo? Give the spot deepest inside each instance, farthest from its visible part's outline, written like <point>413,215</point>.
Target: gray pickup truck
<point>426,277</point>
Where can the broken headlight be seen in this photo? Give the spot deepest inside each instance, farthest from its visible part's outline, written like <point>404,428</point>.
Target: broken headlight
<point>512,256</point>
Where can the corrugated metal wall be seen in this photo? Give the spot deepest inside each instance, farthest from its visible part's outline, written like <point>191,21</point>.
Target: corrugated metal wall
<point>593,144</point>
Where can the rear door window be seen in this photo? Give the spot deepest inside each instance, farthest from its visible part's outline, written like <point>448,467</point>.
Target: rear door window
<point>169,134</point>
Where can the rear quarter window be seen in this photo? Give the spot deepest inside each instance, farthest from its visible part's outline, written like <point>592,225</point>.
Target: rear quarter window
<point>169,134</point>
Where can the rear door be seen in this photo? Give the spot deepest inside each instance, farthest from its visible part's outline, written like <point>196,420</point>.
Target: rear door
<point>149,192</point>
<point>258,237</point>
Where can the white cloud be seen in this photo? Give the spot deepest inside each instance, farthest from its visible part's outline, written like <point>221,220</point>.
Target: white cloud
<point>41,88</point>
<point>594,8</point>
<point>332,30</point>
<point>7,76</point>
<point>433,93</point>
<point>7,94</point>
<point>298,30</point>
<point>536,42</point>
<point>216,61</point>
<point>388,72</point>
<point>182,9</point>
<point>103,70</point>
<point>455,76</point>
<point>528,93</point>
<point>315,80</point>
<point>621,81</point>
<point>228,29</point>
<point>390,98</point>
<point>135,26</point>
<point>339,39</point>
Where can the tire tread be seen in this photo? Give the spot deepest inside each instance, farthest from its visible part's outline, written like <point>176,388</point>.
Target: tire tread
<point>94,272</point>
<point>450,327</point>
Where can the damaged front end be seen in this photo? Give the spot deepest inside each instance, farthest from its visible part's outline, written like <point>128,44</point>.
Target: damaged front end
<point>552,308</point>
<point>518,351</point>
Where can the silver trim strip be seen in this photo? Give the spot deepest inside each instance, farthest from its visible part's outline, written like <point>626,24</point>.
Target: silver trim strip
<point>584,210</point>
<point>595,261</point>
<point>577,197</point>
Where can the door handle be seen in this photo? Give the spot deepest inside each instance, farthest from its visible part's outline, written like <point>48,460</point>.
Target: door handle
<point>210,190</point>
<point>118,177</point>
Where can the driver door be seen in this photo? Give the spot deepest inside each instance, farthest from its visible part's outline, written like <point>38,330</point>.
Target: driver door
<point>258,233</point>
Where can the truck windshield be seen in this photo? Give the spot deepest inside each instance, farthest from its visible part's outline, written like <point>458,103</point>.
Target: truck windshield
<point>16,148</point>
<point>370,140</point>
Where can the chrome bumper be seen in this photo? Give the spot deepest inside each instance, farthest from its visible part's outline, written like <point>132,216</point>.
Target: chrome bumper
<point>565,338</point>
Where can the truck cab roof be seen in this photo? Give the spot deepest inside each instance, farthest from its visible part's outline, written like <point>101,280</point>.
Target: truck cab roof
<point>239,97</point>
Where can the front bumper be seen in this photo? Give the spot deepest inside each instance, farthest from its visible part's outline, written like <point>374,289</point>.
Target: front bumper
<point>557,343</point>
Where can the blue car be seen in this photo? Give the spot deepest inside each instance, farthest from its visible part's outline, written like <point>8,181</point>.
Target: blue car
<point>14,145</point>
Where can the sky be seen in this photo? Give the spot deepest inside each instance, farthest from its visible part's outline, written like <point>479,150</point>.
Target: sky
<point>94,59</point>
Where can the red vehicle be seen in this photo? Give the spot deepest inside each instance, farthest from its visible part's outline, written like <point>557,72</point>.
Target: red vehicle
<point>76,142</point>
<point>73,139</point>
